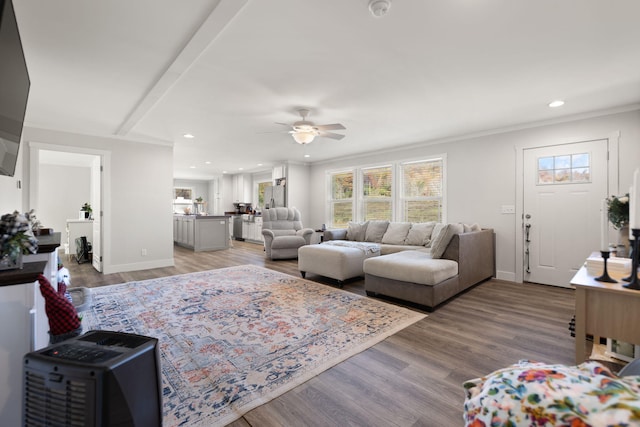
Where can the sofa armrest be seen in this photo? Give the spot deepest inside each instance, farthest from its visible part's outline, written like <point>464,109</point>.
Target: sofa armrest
<point>306,233</point>
<point>475,254</point>
<point>335,234</point>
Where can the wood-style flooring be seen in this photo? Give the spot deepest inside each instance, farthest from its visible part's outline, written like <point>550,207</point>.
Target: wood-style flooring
<point>413,378</point>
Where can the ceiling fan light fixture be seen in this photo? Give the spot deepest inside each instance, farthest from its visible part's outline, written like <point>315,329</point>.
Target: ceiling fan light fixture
<point>379,8</point>
<point>303,137</point>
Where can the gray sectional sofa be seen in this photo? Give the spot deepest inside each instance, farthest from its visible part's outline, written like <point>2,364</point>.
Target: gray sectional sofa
<point>450,259</point>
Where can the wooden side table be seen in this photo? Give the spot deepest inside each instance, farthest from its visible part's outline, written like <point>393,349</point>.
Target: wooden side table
<point>604,310</point>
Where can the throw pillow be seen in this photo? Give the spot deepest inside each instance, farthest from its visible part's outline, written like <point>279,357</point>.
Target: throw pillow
<point>440,243</point>
<point>471,227</point>
<point>356,231</point>
<point>396,233</point>
<point>437,229</point>
<point>375,231</point>
<point>420,233</point>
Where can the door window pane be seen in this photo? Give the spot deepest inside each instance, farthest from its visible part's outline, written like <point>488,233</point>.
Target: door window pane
<point>565,169</point>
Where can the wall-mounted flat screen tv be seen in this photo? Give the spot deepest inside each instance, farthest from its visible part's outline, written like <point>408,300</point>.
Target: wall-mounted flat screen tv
<point>14,88</point>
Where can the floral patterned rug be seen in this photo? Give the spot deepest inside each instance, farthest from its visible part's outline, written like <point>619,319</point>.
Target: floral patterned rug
<point>235,338</point>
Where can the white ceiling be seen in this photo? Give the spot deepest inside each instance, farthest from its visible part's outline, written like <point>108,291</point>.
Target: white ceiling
<point>226,71</point>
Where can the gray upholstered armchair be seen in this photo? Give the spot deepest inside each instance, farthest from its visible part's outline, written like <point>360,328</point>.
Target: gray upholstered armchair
<point>283,233</point>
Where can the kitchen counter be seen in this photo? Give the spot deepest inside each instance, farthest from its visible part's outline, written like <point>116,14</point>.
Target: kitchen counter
<point>201,232</point>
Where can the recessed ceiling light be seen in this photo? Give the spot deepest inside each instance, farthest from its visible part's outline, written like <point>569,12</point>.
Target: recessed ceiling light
<point>188,136</point>
<point>240,169</point>
<point>259,164</point>
<point>556,103</point>
<point>207,162</point>
<point>192,167</point>
<point>224,171</point>
<point>307,155</point>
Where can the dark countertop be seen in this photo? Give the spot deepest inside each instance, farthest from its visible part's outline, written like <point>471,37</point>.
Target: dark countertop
<point>27,274</point>
<point>48,243</point>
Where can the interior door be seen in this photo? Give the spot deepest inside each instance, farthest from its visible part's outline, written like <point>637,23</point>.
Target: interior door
<point>96,199</point>
<point>563,189</point>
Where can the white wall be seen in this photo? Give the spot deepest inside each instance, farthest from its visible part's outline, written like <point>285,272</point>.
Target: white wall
<point>10,194</point>
<point>139,192</point>
<point>298,183</point>
<point>481,173</point>
<point>62,192</point>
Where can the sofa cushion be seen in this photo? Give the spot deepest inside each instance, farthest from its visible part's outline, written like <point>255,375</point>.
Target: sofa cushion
<point>375,231</point>
<point>441,241</point>
<point>288,242</point>
<point>392,249</point>
<point>412,266</point>
<point>356,231</point>
<point>396,233</point>
<point>420,233</point>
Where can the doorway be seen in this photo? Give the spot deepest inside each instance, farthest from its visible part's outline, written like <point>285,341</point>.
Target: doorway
<point>563,186</point>
<point>62,180</point>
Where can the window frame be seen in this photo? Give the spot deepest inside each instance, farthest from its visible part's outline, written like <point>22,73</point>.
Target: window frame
<point>401,181</point>
<point>397,198</point>
<point>329,191</point>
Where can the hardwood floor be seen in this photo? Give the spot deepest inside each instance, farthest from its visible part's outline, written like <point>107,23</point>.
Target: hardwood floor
<point>413,378</point>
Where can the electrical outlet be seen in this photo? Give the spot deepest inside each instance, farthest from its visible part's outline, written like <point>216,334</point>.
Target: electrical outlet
<point>508,209</point>
<point>143,252</point>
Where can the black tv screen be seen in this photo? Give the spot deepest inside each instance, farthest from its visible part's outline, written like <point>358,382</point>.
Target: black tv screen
<point>14,88</point>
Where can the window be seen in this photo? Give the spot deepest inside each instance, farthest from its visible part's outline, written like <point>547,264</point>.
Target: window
<point>377,202</point>
<point>261,187</point>
<point>421,194</point>
<point>341,198</point>
<point>404,191</point>
<point>565,169</point>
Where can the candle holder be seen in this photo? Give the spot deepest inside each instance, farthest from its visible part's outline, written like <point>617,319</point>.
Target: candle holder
<point>634,283</point>
<point>605,274</point>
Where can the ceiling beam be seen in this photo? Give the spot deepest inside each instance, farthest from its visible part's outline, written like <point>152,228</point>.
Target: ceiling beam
<point>215,23</point>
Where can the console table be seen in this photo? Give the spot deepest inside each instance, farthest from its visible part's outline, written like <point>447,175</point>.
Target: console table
<point>605,310</point>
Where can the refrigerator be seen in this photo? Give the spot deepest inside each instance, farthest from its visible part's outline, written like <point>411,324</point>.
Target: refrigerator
<point>274,196</point>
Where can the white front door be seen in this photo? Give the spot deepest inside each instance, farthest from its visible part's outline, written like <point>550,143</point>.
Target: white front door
<point>563,190</point>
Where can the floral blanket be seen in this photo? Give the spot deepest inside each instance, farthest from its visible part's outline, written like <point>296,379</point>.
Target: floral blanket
<point>537,394</point>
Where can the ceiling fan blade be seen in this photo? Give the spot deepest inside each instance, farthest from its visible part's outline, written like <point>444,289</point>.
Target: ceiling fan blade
<point>283,124</point>
<point>334,126</point>
<point>331,135</point>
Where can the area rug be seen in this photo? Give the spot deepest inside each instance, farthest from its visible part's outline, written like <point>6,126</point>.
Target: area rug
<point>235,338</point>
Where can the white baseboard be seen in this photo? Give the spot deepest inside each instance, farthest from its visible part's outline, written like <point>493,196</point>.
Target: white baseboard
<point>121,268</point>
<point>506,275</point>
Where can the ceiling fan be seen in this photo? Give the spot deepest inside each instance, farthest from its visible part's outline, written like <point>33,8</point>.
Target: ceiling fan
<point>304,131</point>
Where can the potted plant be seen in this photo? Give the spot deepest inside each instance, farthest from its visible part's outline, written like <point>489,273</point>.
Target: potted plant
<point>618,207</point>
<point>16,238</point>
<point>86,208</point>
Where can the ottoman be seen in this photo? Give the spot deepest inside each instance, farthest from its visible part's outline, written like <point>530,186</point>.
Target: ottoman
<point>339,261</point>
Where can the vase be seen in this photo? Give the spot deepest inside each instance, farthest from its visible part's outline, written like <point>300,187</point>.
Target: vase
<point>623,242</point>
<point>11,261</point>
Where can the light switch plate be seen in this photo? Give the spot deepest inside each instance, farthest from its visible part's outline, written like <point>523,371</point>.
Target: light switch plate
<point>508,209</point>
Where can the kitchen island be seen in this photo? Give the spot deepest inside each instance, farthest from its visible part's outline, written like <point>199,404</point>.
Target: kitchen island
<point>201,232</point>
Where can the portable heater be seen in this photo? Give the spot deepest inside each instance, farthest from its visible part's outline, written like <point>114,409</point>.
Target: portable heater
<point>100,379</point>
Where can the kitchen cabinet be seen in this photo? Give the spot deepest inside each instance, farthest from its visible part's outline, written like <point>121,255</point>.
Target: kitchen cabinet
<point>183,230</point>
<point>201,233</point>
<point>278,172</point>
<point>242,188</point>
<point>19,292</point>
<point>252,230</point>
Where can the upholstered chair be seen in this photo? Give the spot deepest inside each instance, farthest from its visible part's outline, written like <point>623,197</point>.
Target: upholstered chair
<point>283,233</point>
